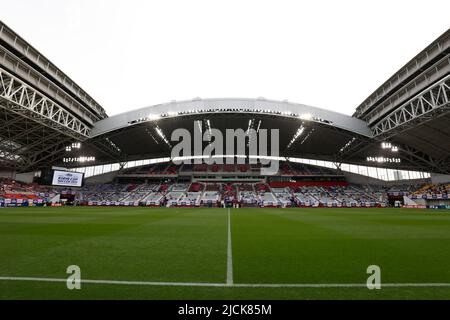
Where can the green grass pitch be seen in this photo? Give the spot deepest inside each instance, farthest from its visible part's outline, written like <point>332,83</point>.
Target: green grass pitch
<point>269,246</point>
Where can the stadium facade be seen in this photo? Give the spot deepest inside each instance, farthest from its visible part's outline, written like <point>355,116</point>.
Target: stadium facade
<point>399,133</point>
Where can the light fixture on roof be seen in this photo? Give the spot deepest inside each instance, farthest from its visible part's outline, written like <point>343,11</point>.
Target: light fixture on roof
<point>259,125</point>
<point>76,145</point>
<point>153,117</point>
<point>306,116</point>
<point>250,125</point>
<point>79,159</point>
<point>388,145</point>
<point>296,135</point>
<point>162,135</point>
<point>208,128</point>
<point>383,160</point>
<point>347,144</point>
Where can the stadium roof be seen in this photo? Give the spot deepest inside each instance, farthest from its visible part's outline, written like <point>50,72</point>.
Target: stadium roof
<point>43,112</point>
<point>150,128</point>
<point>230,105</point>
<point>411,109</point>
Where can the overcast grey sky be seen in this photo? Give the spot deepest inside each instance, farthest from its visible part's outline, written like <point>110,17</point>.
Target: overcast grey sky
<point>131,54</point>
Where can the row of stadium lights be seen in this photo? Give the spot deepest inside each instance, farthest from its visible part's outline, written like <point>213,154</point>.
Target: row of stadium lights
<point>76,145</point>
<point>303,116</point>
<point>113,145</point>
<point>307,136</point>
<point>383,159</point>
<point>296,135</point>
<point>386,146</point>
<point>162,135</point>
<point>79,159</point>
<point>348,144</point>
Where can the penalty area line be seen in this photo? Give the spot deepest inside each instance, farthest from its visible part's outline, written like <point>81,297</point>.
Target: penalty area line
<point>224,285</point>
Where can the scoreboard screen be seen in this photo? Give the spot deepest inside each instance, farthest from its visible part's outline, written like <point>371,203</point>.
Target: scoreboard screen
<point>67,178</point>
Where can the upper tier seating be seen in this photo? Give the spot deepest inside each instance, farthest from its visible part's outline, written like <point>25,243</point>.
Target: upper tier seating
<point>179,187</point>
<point>196,187</point>
<point>248,194</point>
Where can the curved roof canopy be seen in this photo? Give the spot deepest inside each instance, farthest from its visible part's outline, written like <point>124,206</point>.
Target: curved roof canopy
<point>232,106</point>
<point>303,130</point>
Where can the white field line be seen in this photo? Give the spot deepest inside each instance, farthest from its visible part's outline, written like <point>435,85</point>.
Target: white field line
<point>234,285</point>
<point>229,253</point>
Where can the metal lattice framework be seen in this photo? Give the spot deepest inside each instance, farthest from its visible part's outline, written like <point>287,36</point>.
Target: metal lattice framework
<point>26,144</point>
<point>409,155</point>
<point>18,97</point>
<point>425,106</point>
<point>424,160</point>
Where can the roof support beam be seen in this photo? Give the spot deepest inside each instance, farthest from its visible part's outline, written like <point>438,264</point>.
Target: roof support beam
<point>18,97</point>
<point>426,106</point>
<point>426,162</point>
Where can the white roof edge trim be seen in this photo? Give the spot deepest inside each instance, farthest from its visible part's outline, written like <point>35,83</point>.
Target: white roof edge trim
<point>277,108</point>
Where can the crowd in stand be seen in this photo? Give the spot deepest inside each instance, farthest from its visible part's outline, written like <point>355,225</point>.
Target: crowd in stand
<point>17,193</point>
<point>432,191</point>
<point>220,193</point>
